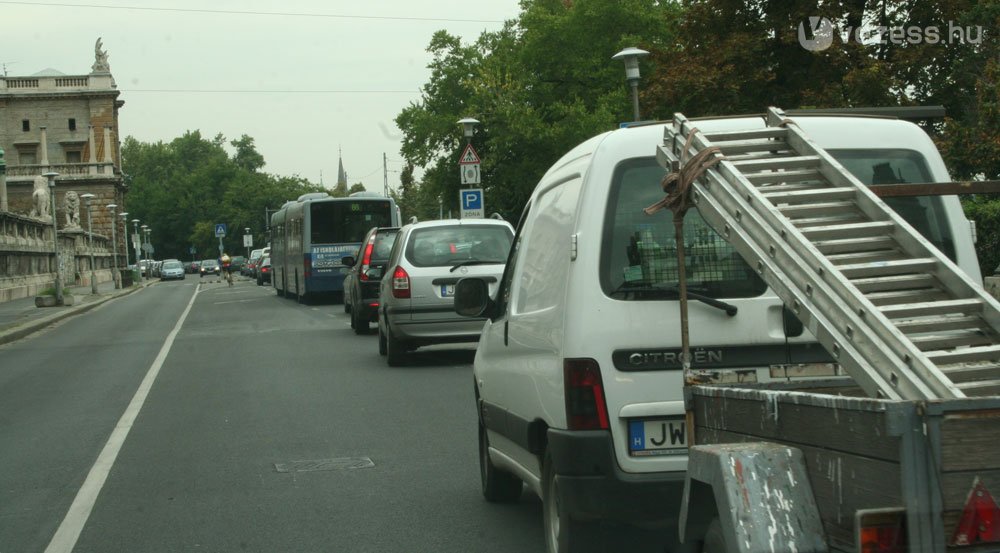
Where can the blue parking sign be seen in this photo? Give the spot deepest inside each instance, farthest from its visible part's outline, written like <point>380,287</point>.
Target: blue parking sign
<point>472,199</point>
<point>220,230</point>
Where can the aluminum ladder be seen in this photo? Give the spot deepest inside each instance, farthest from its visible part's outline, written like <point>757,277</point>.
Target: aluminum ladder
<point>901,318</point>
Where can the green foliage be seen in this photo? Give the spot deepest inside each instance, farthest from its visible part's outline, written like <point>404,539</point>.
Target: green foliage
<point>181,189</point>
<point>541,85</point>
<point>986,214</point>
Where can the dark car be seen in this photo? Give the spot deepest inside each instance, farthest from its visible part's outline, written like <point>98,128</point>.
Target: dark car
<point>193,267</point>
<point>361,283</point>
<point>236,263</point>
<point>210,267</point>
<point>264,271</point>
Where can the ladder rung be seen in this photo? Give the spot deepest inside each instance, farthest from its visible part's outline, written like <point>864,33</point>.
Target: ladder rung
<point>836,219</point>
<point>801,196</point>
<point>965,355</point>
<point>801,175</point>
<point>757,166</point>
<point>930,342</point>
<point>757,134</point>
<point>861,257</point>
<point>878,268</point>
<point>924,309</point>
<point>855,230</point>
<point>897,297</point>
<point>739,148</point>
<point>896,282</point>
<point>937,324</point>
<point>966,372</point>
<point>980,387</point>
<point>793,187</point>
<point>807,210</point>
<point>855,245</point>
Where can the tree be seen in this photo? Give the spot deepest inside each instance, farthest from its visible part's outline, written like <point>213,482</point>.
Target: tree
<point>246,156</point>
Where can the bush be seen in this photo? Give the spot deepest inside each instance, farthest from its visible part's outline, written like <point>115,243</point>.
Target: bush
<point>986,213</point>
<point>51,291</point>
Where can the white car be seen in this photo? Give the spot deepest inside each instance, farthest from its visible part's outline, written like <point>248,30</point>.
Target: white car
<point>578,371</point>
<point>417,290</point>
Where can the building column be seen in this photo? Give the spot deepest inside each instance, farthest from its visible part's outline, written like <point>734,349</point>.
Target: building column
<point>92,157</point>
<point>45,148</point>
<point>107,149</point>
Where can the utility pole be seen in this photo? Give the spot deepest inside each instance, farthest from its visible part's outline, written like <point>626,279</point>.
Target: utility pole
<point>385,175</point>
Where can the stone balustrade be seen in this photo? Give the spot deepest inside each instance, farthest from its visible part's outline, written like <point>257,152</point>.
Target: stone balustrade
<point>26,260</point>
<point>67,171</point>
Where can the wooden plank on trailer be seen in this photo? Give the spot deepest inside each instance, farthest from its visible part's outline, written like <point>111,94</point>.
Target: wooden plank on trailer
<point>854,431</point>
<point>969,441</point>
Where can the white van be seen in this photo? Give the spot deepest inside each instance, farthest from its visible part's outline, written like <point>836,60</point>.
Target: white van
<point>578,375</point>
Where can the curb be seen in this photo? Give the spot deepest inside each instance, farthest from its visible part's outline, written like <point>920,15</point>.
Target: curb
<point>32,327</point>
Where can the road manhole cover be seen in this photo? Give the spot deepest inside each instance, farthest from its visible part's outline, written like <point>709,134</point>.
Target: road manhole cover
<point>314,465</point>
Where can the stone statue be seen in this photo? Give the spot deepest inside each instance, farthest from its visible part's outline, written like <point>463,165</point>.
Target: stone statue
<point>72,205</point>
<point>40,198</point>
<point>101,64</point>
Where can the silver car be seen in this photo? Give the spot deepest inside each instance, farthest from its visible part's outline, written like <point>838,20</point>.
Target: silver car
<point>417,292</point>
<point>172,269</point>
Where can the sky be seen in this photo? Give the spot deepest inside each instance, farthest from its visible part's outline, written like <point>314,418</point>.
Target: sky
<point>303,86</point>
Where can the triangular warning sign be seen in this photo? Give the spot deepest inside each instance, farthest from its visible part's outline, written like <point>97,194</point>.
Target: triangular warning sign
<point>469,156</point>
<point>980,521</point>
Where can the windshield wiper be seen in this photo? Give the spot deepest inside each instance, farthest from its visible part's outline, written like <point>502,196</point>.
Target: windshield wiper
<point>473,262</point>
<point>697,294</point>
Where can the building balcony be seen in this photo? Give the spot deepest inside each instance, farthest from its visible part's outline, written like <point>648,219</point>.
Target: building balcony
<point>67,171</point>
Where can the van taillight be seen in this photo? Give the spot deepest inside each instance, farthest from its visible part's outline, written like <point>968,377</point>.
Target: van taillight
<point>400,283</point>
<point>366,259</point>
<point>585,406</point>
<point>881,531</point>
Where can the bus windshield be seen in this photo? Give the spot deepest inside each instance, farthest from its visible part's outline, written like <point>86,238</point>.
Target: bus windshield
<point>343,222</point>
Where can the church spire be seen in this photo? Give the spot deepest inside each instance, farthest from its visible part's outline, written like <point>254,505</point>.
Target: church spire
<point>341,174</point>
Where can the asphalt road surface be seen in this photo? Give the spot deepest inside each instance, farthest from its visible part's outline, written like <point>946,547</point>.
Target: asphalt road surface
<point>217,419</point>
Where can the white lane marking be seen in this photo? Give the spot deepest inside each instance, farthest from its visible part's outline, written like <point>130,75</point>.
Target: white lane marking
<point>234,301</point>
<point>69,530</point>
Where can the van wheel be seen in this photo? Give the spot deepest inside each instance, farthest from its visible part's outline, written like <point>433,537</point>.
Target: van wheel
<point>395,350</point>
<point>564,534</point>
<point>499,486</point>
<point>382,346</point>
<point>715,540</point>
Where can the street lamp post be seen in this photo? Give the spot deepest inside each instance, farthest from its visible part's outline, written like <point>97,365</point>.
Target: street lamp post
<point>631,57</point>
<point>51,176</point>
<point>124,216</point>
<point>3,182</point>
<point>145,252</point>
<point>90,242</point>
<point>246,232</point>
<point>114,244</point>
<point>135,244</point>
<point>468,129</point>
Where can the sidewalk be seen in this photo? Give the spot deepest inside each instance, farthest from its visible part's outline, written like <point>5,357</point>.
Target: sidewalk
<point>19,318</point>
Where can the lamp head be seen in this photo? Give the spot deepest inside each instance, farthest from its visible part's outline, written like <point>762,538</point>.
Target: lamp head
<point>631,57</point>
<point>51,175</point>
<point>468,126</point>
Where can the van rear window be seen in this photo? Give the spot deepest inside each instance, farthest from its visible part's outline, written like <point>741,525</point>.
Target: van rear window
<point>890,166</point>
<point>639,255</point>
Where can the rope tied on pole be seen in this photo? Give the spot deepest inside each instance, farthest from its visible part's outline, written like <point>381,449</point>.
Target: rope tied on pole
<point>677,184</point>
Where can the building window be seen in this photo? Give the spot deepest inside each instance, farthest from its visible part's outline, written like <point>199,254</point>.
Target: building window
<point>74,156</point>
<point>72,124</point>
<point>25,125</point>
<point>27,157</point>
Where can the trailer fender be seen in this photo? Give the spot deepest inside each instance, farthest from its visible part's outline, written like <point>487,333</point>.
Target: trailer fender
<point>759,491</point>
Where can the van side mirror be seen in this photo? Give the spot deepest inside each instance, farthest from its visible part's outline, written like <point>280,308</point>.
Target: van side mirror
<point>472,298</point>
<point>348,260</point>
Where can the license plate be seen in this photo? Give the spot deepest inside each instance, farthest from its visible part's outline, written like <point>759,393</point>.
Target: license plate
<point>447,290</point>
<point>657,437</point>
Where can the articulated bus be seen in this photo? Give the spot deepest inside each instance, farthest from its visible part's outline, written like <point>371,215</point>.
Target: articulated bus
<point>309,237</point>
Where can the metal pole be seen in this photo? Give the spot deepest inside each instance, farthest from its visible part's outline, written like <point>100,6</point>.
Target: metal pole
<point>635,98</point>
<point>3,182</point>
<point>90,243</point>
<point>114,249</point>
<point>55,234</point>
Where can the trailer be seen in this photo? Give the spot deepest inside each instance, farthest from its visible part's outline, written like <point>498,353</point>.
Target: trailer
<point>902,455</point>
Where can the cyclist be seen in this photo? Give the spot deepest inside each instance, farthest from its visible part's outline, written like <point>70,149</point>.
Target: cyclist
<point>227,265</point>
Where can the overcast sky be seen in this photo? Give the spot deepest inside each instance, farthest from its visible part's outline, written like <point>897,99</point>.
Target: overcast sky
<point>238,73</point>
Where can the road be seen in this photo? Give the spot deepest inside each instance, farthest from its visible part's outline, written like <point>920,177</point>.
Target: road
<point>253,436</point>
